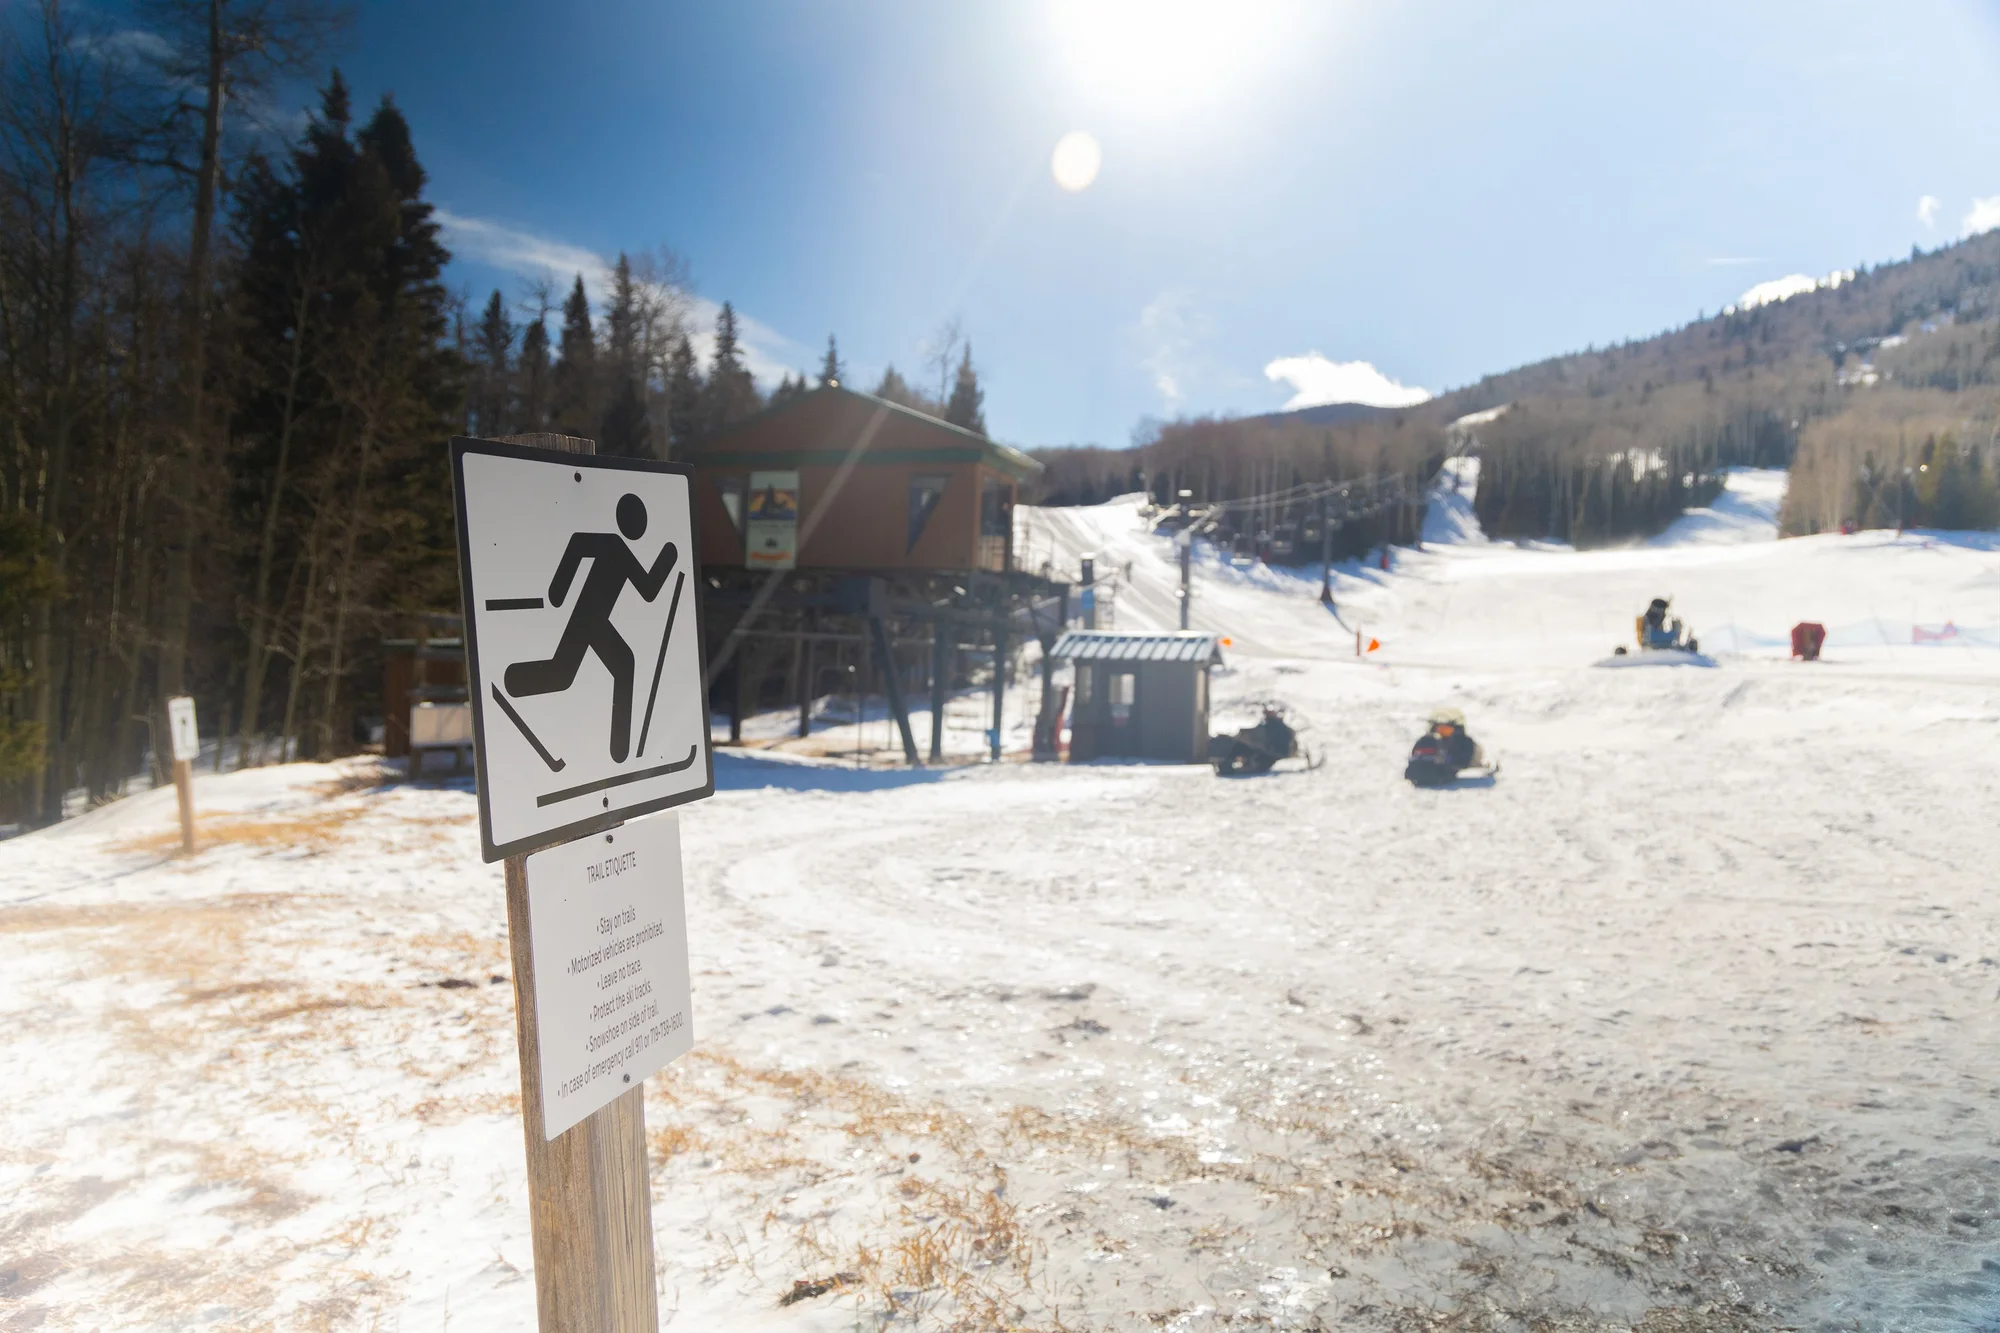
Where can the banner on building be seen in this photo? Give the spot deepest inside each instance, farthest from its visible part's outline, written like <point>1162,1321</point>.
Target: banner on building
<point>771,521</point>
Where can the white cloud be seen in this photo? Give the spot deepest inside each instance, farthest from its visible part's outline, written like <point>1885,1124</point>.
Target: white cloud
<point>768,354</point>
<point>1928,208</point>
<point>1985,216</point>
<point>1785,288</point>
<point>1317,380</point>
<point>523,253</point>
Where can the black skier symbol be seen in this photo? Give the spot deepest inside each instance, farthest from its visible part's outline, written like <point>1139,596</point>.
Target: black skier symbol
<point>612,566</point>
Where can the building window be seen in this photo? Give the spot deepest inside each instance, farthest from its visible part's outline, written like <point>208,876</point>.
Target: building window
<point>996,525</point>
<point>731,490</point>
<point>926,490</point>
<point>1083,695</point>
<point>1124,693</point>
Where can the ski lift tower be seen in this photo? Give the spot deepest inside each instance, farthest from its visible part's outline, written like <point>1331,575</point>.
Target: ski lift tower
<point>1184,539</point>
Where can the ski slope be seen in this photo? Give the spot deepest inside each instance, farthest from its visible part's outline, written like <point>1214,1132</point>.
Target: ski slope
<point>1685,1023</point>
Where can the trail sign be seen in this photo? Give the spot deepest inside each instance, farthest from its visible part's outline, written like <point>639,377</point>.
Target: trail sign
<point>180,727</point>
<point>613,999</point>
<point>185,739</point>
<point>583,640</point>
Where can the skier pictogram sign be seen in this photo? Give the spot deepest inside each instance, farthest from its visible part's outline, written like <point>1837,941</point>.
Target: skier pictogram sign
<point>583,643</point>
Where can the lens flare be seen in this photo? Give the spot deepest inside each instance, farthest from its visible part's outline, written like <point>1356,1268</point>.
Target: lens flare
<point>1076,161</point>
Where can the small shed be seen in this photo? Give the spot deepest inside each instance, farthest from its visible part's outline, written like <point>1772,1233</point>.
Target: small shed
<point>1139,695</point>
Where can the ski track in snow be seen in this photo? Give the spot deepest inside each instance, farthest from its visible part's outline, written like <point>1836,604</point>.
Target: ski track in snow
<point>1684,1023</point>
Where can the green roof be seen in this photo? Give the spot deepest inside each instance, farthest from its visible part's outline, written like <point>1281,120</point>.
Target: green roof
<point>954,444</point>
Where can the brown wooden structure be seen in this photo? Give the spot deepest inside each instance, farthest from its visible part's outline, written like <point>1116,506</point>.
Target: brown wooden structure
<point>428,667</point>
<point>882,487</point>
<point>888,569</point>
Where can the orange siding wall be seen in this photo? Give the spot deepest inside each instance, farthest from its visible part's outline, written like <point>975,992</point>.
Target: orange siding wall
<point>868,526</point>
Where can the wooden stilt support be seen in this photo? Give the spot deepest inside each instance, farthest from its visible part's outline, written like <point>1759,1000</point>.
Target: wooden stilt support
<point>804,657</point>
<point>999,687</point>
<point>895,691</point>
<point>938,684</point>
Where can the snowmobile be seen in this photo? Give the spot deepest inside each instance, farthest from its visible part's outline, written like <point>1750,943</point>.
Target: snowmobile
<point>1446,753</point>
<point>1255,749</point>
<point>1663,641</point>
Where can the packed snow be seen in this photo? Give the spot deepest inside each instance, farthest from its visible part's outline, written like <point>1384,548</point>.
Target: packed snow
<point>1684,1022</point>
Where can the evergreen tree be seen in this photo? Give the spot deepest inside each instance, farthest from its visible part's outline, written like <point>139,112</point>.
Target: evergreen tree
<point>893,386</point>
<point>495,345</point>
<point>830,370</point>
<point>789,389</point>
<point>731,392</point>
<point>625,429</point>
<point>533,374</point>
<point>966,407</point>
<point>349,378</point>
<point>686,394</point>
<point>573,396</point>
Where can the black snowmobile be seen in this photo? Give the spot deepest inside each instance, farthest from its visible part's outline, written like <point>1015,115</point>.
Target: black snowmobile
<point>1256,749</point>
<point>1446,753</point>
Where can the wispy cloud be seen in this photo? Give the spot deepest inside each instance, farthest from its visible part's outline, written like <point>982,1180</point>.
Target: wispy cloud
<point>523,253</point>
<point>1985,216</point>
<point>1928,209</point>
<point>769,355</point>
<point>1165,333</point>
<point>1316,379</point>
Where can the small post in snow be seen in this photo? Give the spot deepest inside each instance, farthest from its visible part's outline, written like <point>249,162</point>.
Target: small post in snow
<point>187,748</point>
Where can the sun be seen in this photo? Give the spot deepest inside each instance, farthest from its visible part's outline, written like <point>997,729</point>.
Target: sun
<point>1158,53</point>
<point>1076,161</point>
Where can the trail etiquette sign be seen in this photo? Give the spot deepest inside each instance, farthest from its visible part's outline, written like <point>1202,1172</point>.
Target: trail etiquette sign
<point>181,728</point>
<point>612,991</point>
<point>582,640</point>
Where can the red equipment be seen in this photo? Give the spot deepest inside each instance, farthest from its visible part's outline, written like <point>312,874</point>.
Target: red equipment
<point>1807,639</point>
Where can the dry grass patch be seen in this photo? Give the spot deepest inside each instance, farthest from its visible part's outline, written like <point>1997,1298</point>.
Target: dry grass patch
<point>313,833</point>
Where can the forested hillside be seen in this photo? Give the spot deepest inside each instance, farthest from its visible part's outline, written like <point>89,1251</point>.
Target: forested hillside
<point>1880,387</point>
<point>1872,387</point>
<point>228,367</point>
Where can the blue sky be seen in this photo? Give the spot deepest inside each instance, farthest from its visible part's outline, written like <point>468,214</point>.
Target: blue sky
<point>1437,189</point>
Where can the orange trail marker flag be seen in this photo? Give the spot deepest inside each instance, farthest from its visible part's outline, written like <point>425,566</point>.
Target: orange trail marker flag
<point>1373,644</point>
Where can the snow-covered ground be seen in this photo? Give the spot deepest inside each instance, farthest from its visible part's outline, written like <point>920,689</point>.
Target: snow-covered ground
<point>1685,1022</point>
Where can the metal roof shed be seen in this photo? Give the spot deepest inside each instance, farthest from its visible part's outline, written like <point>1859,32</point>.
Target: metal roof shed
<point>1139,695</point>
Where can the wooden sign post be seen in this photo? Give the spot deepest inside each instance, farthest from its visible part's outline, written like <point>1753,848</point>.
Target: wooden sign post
<point>590,1197</point>
<point>556,551</point>
<point>186,749</point>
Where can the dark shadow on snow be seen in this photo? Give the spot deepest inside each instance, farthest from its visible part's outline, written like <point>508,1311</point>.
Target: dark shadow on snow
<point>746,772</point>
<point>1463,784</point>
